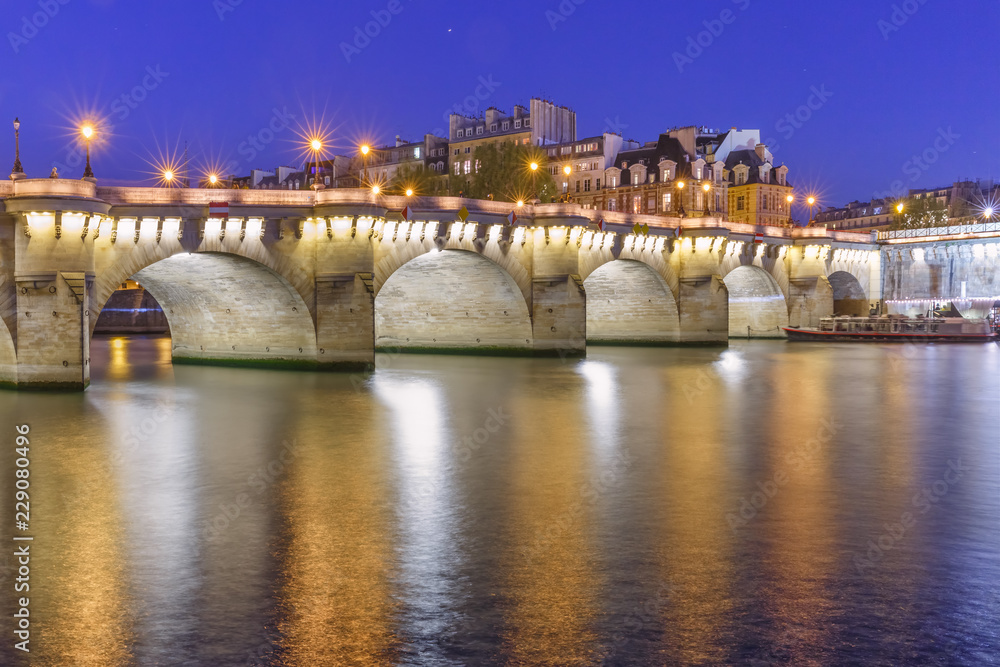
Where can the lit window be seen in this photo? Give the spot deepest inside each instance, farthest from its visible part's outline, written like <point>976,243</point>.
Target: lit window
<point>416,152</point>
<point>477,166</point>
<point>637,204</point>
<point>467,166</point>
<point>458,168</point>
<point>666,202</point>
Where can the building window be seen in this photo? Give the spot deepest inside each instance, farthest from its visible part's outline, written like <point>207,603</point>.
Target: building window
<point>458,168</point>
<point>614,181</point>
<point>578,186</point>
<point>739,203</point>
<point>506,125</point>
<point>468,149</point>
<point>517,124</point>
<point>586,185</point>
<point>479,130</point>
<point>666,201</point>
<point>637,204</point>
<point>478,163</point>
<point>527,122</point>
<point>493,127</point>
<point>467,166</point>
<point>456,151</point>
<point>565,150</point>
<point>597,184</point>
<point>416,152</point>
<point>612,204</point>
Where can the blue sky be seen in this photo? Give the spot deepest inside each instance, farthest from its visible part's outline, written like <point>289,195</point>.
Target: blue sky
<point>869,85</point>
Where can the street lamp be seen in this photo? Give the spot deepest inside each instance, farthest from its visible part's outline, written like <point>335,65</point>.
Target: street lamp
<point>520,203</point>
<point>706,188</point>
<point>409,192</point>
<point>567,170</point>
<point>316,146</point>
<point>88,132</point>
<point>376,189</point>
<point>680,194</point>
<point>812,202</point>
<point>365,149</point>
<point>213,180</point>
<point>168,177</point>
<point>789,199</point>
<point>18,171</point>
<point>533,167</point>
<point>988,213</point>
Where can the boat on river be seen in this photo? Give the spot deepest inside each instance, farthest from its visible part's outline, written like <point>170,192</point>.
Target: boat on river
<point>897,329</point>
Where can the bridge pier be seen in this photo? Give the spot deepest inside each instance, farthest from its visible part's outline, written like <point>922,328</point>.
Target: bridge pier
<point>702,297</point>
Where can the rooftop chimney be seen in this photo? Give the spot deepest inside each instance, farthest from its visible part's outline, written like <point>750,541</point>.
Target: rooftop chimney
<point>761,151</point>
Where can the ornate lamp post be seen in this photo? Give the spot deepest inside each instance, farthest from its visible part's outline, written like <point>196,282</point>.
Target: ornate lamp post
<point>567,170</point>
<point>534,180</point>
<point>88,133</point>
<point>706,188</point>
<point>316,146</point>
<point>812,202</point>
<point>789,199</point>
<point>18,171</point>
<point>680,195</point>
<point>365,149</point>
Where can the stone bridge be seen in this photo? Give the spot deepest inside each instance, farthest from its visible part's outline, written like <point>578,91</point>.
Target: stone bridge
<point>321,279</point>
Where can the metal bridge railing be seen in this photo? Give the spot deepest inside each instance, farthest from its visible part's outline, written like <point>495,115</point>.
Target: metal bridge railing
<point>954,230</point>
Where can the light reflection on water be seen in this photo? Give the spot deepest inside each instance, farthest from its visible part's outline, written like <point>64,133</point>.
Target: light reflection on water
<point>657,506</point>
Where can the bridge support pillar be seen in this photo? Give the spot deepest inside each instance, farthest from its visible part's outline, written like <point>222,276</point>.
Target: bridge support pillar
<point>809,299</point>
<point>559,316</point>
<point>703,310</point>
<point>345,322</point>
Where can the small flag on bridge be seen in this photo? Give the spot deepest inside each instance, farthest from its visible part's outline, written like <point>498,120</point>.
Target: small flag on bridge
<point>677,232</point>
<point>405,213</point>
<point>218,209</point>
<point>512,218</point>
<point>463,214</point>
<point>600,224</point>
<point>758,238</point>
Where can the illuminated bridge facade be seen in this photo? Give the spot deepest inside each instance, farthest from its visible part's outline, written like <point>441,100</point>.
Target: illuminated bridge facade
<point>322,279</point>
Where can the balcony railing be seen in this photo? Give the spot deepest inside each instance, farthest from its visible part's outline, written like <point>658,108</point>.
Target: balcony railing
<point>975,229</point>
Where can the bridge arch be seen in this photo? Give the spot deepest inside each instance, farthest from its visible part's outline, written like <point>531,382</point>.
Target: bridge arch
<point>849,296</point>
<point>629,302</point>
<point>8,357</point>
<point>452,299</point>
<point>225,307</point>
<point>757,306</point>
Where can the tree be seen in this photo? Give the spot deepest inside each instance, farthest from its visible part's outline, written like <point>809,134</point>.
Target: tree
<point>917,213</point>
<point>419,179</point>
<point>502,172</point>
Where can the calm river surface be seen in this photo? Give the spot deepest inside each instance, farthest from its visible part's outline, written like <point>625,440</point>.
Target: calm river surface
<point>773,503</point>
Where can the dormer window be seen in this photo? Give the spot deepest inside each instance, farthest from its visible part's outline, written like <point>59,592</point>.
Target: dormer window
<point>479,130</point>
<point>493,127</point>
<point>506,125</point>
<point>517,125</point>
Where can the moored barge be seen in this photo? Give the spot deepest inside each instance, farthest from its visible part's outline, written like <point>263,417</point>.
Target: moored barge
<point>897,329</point>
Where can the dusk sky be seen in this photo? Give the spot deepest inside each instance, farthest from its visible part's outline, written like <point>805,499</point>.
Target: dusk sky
<point>887,81</point>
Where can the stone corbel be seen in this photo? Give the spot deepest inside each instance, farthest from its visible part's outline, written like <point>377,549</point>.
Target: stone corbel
<point>114,230</point>
<point>299,224</point>
<point>58,218</point>
<point>86,226</point>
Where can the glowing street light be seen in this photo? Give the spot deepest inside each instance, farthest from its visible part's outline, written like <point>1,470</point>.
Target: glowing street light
<point>88,133</point>
<point>316,145</point>
<point>168,176</point>
<point>706,188</point>
<point>899,207</point>
<point>988,213</point>
<point>533,166</point>
<point>365,149</point>
<point>409,192</point>
<point>812,202</point>
<point>376,189</point>
<point>213,179</point>
<point>567,170</point>
<point>790,199</point>
<point>520,203</point>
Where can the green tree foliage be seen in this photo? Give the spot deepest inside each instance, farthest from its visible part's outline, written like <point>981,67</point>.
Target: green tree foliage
<point>919,213</point>
<point>504,175</point>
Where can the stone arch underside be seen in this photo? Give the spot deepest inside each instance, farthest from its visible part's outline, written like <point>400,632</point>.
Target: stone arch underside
<point>629,303</point>
<point>224,308</point>
<point>849,296</point>
<point>452,300</point>
<point>8,357</point>
<point>757,308</point>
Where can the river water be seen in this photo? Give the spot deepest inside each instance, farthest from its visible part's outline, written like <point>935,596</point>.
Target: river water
<point>772,503</point>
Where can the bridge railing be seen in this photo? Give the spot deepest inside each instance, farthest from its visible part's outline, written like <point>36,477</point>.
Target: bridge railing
<point>953,230</point>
